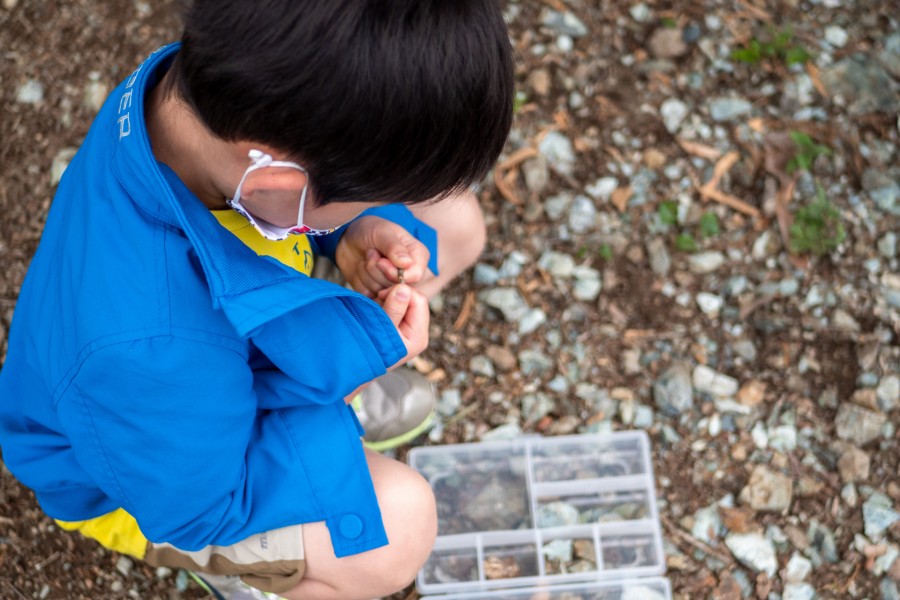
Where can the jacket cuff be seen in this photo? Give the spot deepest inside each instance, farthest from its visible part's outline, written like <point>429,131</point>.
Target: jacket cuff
<point>325,245</point>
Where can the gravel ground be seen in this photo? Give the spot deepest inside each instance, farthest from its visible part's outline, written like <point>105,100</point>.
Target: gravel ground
<point>666,157</point>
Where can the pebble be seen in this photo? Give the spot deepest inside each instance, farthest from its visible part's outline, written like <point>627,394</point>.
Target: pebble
<point>163,572</point>
<point>537,173</point>
<point>887,245</point>
<point>857,424</point>
<point>710,304</point>
<point>760,436</point>
<point>485,274</point>
<point>482,365</point>
<point>95,93</point>
<point>565,44</point>
<point>558,150</point>
<point>660,260</point>
<point>557,514</point>
<point>558,384</point>
<point>643,417</point>
<point>558,264</point>
<point>708,525</point>
<point>672,390</point>
<point>888,393</point>
<point>836,36</point>
<point>854,465</point>
<point>508,301</point>
<point>449,402</point>
<point>726,109</point>
<point>60,164</point>
<point>182,581</point>
<point>540,82</point>
<point>783,438</point>
<point>564,23</point>
<point>504,433</point>
<point>582,214</point>
<point>666,42</point>
<point>862,83</point>
<point>558,550</point>
<point>767,490</point>
<point>889,590</point>
<point>556,205</point>
<point>116,587</point>
<point>849,495</point>
<point>717,385</point>
<point>877,519</point>
<point>497,505</point>
<point>753,550</point>
<point>587,289</point>
<point>843,320</point>
<point>533,362</point>
<point>124,566</point>
<point>603,188</point>
<point>736,286</point>
<point>751,393</point>
<point>536,406</point>
<point>639,12</point>
<point>30,92</point>
<point>673,112</point>
<point>531,320</point>
<point>502,358</point>
<point>706,262</point>
<point>513,264</point>
<point>798,569</point>
<point>798,591</point>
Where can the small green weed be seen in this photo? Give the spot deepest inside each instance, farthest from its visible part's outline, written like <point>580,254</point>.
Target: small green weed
<point>520,100</point>
<point>779,45</point>
<point>668,212</point>
<point>685,243</point>
<point>817,228</point>
<point>807,152</point>
<point>709,225</point>
<point>669,23</point>
<point>606,252</point>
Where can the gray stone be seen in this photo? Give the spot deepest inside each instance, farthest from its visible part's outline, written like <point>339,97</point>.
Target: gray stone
<point>603,188</point>
<point>708,525</point>
<point>485,274</point>
<point>767,490</point>
<point>586,289</point>
<point>558,150</point>
<point>503,433</point>
<point>598,398</point>
<point>672,390</point>
<point>673,112</point>
<point>889,590</point>
<point>163,572</point>
<point>822,540</point>
<point>857,424</point>
<point>798,591</point>
<point>665,42</point>
<point>849,495</point>
<point>726,109</point>
<point>582,214</point>
<point>798,569</point>
<point>537,173</point>
<point>531,320</point>
<point>746,349</point>
<point>717,385</point>
<point>710,304</point>
<point>877,519</point>
<point>508,301</point>
<point>536,406</point>
<point>890,55</point>
<point>854,465</point>
<point>533,362</point>
<point>565,23</point>
<point>558,384</point>
<point>863,85</point>
<point>560,550</point>
<point>836,36</point>
<point>706,262</point>
<point>660,261</point>
<point>886,198</point>
<point>843,320</point>
<point>639,12</point>
<point>497,506</point>
<point>556,205</point>
<point>643,417</point>
<point>887,245</point>
<point>513,264</point>
<point>888,393</point>
<point>736,286</point>
<point>753,550</point>
<point>95,93</point>
<point>783,438</point>
<point>482,365</point>
<point>124,566</point>
<point>558,264</point>
<point>182,580</point>
<point>30,92</point>
<point>449,402</point>
<point>60,163</point>
<point>789,287</point>
<point>557,514</point>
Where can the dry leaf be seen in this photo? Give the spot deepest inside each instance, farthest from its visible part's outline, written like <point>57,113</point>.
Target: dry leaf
<point>757,124</point>
<point>738,520</point>
<point>813,71</point>
<point>468,305</point>
<point>620,198</point>
<point>707,152</point>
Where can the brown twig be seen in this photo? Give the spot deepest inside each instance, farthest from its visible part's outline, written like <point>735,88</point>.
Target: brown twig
<point>710,189</point>
<point>689,539</point>
<point>748,309</point>
<point>701,150</point>
<point>462,414</point>
<point>15,589</point>
<point>468,304</point>
<point>850,581</point>
<point>516,158</point>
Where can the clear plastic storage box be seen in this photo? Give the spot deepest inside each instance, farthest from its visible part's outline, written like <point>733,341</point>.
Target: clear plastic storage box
<point>655,588</point>
<point>543,511</point>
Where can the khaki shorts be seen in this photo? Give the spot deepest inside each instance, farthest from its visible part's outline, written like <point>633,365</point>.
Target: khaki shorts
<point>271,561</point>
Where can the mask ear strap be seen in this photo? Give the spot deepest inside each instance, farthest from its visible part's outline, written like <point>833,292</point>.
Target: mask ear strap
<point>260,161</point>
<point>284,163</point>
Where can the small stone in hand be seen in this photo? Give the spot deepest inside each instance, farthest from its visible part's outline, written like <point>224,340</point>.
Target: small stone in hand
<point>400,275</point>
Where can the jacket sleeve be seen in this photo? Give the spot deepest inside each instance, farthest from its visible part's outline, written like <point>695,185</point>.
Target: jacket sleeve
<point>171,430</point>
<point>325,245</point>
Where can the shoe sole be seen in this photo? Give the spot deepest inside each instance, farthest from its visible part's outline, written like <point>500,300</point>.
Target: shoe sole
<point>401,439</point>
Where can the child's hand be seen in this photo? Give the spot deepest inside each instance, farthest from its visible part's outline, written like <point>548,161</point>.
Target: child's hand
<point>371,252</point>
<point>408,310</point>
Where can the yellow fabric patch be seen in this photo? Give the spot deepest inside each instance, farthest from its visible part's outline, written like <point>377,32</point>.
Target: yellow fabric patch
<point>115,531</point>
<point>295,252</point>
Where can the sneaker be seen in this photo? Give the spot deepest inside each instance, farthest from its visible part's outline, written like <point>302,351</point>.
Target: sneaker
<point>395,408</point>
<point>230,587</point>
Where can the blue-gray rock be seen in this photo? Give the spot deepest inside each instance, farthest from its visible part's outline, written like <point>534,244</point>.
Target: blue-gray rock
<point>449,402</point>
<point>558,150</point>
<point>558,384</point>
<point>586,289</point>
<point>798,591</point>
<point>822,541</point>
<point>482,365</point>
<point>643,417</point>
<point>886,198</point>
<point>863,85</point>
<point>877,519</point>
<point>726,109</point>
<point>508,301</point>
<point>582,214</point>
<point>536,406</point>
<point>557,514</point>
<point>736,286</point>
<point>857,424</point>
<point>888,393</point>
<point>753,550</point>
<point>558,550</point>
<point>485,274</point>
<point>531,320</point>
<point>30,92</point>
<point>182,581</point>
<point>555,206</point>
<point>639,12</point>
<point>745,349</point>
<point>672,391</point>
<point>533,362</point>
<point>558,264</point>
<point>889,590</point>
<point>890,56</point>
<point>513,264</point>
<point>603,188</point>
<point>660,260</point>
<point>565,23</point>
<point>789,287</point>
<point>887,245</point>
<point>503,433</point>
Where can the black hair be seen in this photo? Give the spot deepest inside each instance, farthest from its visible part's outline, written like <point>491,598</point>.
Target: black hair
<point>380,100</point>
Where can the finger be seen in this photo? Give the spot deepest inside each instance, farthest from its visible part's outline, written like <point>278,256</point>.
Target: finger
<point>397,302</point>
<point>414,327</point>
<point>364,284</point>
<point>376,271</point>
<point>420,256</point>
<point>393,248</point>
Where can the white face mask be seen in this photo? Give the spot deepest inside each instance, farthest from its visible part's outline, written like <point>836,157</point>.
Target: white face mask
<point>268,230</point>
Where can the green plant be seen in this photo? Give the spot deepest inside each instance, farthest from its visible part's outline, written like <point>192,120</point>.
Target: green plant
<point>807,152</point>
<point>669,23</point>
<point>606,252</point>
<point>817,228</point>
<point>668,212</point>
<point>778,45</point>
<point>709,225</point>
<point>520,100</point>
<point>685,243</point>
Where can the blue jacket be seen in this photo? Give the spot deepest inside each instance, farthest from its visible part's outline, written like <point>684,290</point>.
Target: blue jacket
<point>157,364</point>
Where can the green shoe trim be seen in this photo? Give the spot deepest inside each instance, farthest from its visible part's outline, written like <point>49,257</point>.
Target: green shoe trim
<point>356,403</point>
<point>200,582</point>
<point>400,439</point>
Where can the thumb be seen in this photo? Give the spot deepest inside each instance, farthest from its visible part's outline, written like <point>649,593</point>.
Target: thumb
<point>396,251</point>
<point>397,302</point>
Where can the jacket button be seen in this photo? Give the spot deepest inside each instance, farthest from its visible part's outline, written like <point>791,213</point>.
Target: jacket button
<point>351,526</point>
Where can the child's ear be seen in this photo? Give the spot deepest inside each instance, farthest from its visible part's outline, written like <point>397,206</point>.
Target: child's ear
<point>273,179</point>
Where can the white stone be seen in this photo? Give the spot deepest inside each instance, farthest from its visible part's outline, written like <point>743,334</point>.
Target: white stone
<point>783,438</point>
<point>95,93</point>
<point>715,384</point>
<point>710,304</point>
<point>587,289</point>
<point>558,264</point>
<point>639,12</point>
<point>798,591</point>
<point>60,163</point>
<point>558,150</point>
<point>836,36</point>
<point>582,214</point>
<point>509,301</point>
<point>532,319</point>
<point>760,436</point>
<point>798,569</point>
<point>706,262</point>
<point>30,92</point>
<point>673,112</point>
<point>753,550</point>
<point>888,393</point>
<point>603,188</point>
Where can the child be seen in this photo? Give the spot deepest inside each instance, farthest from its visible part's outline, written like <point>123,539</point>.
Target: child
<point>175,384</point>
